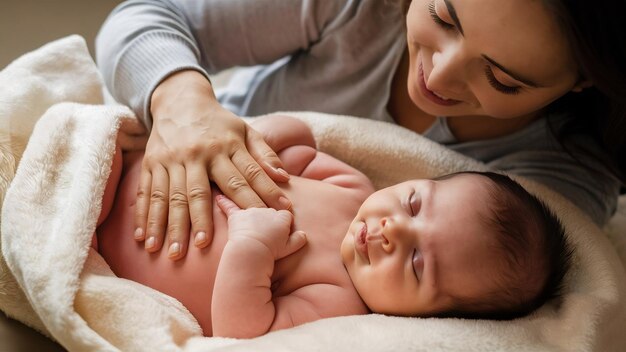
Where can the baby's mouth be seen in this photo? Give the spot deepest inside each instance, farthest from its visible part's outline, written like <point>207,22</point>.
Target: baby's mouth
<point>361,242</point>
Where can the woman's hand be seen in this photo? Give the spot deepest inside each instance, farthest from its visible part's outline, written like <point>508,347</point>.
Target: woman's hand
<point>194,140</point>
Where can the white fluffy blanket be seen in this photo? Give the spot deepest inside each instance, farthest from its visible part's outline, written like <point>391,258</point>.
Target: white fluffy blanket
<point>55,283</point>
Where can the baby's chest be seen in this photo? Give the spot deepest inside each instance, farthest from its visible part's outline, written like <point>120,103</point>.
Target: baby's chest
<point>321,280</point>
<point>316,263</point>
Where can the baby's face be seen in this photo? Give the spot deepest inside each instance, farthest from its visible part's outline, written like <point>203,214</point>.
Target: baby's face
<point>418,247</point>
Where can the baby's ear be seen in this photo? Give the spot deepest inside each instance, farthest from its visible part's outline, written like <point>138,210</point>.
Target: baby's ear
<point>581,85</point>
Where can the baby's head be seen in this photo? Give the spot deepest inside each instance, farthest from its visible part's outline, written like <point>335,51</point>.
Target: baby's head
<point>473,245</point>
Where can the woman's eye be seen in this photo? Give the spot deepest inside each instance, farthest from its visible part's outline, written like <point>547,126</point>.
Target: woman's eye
<point>418,264</point>
<point>497,85</point>
<point>433,14</point>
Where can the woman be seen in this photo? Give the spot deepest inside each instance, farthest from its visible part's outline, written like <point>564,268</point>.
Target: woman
<point>530,87</point>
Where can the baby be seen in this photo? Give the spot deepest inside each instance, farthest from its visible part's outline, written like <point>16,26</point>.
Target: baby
<point>473,245</point>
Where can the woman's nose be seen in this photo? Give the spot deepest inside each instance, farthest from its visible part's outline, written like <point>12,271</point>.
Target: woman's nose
<point>446,76</point>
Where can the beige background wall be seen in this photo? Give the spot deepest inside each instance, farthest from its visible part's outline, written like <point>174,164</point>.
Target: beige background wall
<point>27,24</point>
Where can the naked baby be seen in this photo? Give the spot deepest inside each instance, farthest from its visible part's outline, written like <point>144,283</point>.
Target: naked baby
<point>468,245</point>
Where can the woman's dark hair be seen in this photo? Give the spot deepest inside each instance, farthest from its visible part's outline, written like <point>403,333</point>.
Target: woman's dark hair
<point>596,32</point>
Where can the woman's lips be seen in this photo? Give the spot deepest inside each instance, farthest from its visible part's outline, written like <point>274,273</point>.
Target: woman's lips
<point>430,95</point>
<point>361,242</point>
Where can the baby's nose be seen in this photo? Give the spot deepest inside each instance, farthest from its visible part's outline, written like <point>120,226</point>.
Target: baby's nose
<point>387,233</point>
<point>396,230</point>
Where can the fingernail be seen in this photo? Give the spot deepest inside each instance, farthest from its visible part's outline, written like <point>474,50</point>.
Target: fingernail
<point>138,234</point>
<point>174,249</point>
<point>284,203</point>
<point>282,172</point>
<point>200,238</point>
<point>150,242</point>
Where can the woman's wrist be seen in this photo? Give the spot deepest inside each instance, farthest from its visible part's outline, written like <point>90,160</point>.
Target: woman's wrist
<point>180,87</point>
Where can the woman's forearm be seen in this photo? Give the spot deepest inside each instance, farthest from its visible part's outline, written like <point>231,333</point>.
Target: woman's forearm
<point>139,45</point>
<point>143,42</point>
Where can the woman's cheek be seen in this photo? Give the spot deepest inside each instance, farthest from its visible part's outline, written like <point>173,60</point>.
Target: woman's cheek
<point>506,107</point>
<point>421,31</point>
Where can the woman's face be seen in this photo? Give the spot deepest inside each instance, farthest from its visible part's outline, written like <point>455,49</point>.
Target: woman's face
<point>500,58</point>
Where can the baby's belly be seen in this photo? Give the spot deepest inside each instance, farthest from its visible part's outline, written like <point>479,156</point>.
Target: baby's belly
<point>190,280</point>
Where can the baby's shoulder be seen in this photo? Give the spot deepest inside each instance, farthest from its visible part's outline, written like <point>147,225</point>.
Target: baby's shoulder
<point>330,300</point>
<point>313,164</point>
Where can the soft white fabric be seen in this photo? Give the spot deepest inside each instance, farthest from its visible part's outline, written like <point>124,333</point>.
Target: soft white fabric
<point>28,87</point>
<point>60,286</point>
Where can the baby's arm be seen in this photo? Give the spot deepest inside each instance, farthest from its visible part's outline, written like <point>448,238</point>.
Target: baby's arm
<point>242,303</point>
<point>280,131</point>
<point>294,143</point>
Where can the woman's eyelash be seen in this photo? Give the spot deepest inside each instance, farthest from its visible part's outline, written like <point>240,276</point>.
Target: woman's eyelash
<point>436,18</point>
<point>497,85</point>
<point>488,72</point>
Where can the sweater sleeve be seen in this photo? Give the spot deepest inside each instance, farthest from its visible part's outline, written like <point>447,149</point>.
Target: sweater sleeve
<point>142,42</point>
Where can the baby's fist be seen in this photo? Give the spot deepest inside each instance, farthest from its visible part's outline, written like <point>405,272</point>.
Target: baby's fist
<point>270,227</point>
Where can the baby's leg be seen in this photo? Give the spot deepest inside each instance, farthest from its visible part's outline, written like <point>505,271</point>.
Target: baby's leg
<point>109,191</point>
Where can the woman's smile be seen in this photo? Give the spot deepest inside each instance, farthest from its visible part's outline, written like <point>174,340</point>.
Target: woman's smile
<point>429,94</point>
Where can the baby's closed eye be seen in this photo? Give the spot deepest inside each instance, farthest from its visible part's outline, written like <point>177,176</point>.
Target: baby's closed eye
<point>414,203</point>
<point>418,264</point>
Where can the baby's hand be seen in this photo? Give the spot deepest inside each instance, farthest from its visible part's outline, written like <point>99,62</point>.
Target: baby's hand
<point>270,227</point>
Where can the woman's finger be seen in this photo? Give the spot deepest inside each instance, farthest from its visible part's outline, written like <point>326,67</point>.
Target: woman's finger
<point>265,156</point>
<point>143,204</point>
<point>132,135</point>
<point>259,181</point>
<point>133,127</point>
<point>200,204</point>
<point>157,213</point>
<point>233,184</point>
<point>130,142</point>
<point>178,216</point>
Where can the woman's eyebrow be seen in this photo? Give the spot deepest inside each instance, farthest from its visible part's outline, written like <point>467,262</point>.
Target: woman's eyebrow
<point>516,76</point>
<point>452,13</point>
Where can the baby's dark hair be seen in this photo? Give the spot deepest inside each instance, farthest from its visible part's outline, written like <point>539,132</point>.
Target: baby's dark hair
<point>534,253</point>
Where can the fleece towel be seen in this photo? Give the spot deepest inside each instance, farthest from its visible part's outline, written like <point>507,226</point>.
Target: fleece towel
<point>28,87</point>
<point>61,287</point>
